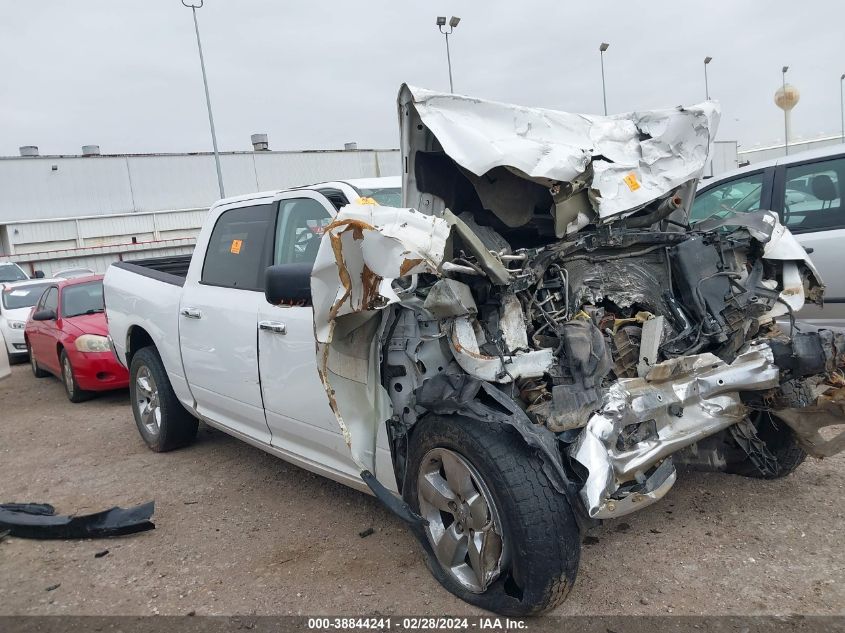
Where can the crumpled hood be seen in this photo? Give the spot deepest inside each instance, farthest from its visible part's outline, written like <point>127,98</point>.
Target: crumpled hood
<point>628,160</point>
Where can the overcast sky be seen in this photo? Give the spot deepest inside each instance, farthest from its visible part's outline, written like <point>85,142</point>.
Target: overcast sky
<point>125,74</point>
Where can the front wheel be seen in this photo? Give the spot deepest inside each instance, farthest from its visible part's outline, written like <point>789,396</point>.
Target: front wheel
<point>161,419</point>
<point>502,538</point>
<point>72,390</point>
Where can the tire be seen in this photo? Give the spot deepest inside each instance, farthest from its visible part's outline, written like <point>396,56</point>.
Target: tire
<point>540,542</point>
<point>72,390</point>
<point>782,444</point>
<point>161,419</point>
<point>33,364</point>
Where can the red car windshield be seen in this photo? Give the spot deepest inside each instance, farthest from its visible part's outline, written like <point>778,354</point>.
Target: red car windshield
<point>80,299</point>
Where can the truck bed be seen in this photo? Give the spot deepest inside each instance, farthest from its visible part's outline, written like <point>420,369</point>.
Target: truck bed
<point>171,270</point>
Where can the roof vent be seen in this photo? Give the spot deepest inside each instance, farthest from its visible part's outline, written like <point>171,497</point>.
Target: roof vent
<point>29,150</point>
<point>90,150</point>
<point>350,146</point>
<point>260,142</point>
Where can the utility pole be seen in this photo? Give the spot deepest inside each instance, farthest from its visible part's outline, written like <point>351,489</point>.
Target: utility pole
<point>193,8</point>
<point>441,25</point>
<point>707,60</point>
<point>604,46</point>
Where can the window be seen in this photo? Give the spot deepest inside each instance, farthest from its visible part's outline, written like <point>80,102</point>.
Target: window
<point>742,194</point>
<point>240,247</point>
<point>301,225</point>
<point>813,196</point>
<point>22,296</point>
<point>80,299</point>
<point>385,196</point>
<point>50,300</point>
<point>11,272</point>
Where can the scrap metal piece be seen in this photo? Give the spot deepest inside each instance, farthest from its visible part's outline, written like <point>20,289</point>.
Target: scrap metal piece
<point>652,336</point>
<point>687,399</point>
<point>40,521</point>
<point>636,158</point>
<point>450,298</point>
<point>464,343</point>
<point>827,409</point>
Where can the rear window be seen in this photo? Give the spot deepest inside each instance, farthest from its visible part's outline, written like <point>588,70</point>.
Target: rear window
<point>12,272</point>
<point>82,299</point>
<point>23,297</point>
<point>813,196</point>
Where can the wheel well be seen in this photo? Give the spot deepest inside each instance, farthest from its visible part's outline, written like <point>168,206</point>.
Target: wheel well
<point>137,338</point>
<point>59,348</point>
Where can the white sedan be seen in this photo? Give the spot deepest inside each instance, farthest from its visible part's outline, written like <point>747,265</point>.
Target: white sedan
<point>16,301</point>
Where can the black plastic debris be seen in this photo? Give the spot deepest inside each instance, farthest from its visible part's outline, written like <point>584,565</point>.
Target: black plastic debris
<point>40,521</point>
<point>366,533</point>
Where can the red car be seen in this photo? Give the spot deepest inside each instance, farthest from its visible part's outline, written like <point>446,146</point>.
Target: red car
<point>66,335</point>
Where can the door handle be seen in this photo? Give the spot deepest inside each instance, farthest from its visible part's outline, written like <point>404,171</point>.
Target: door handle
<point>277,327</point>
<point>191,313</point>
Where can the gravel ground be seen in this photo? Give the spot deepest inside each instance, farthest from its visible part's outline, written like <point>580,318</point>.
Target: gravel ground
<point>241,532</point>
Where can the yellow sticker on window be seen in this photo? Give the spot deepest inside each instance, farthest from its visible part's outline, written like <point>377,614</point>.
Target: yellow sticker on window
<point>365,200</point>
<point>235,249</point>
<point>631,181</point>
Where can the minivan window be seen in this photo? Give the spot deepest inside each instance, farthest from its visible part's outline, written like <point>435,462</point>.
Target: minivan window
<point>813,196</point>
<point>240,248</point>
<point>741,194</point>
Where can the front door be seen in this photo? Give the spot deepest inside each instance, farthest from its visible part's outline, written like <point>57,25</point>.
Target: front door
<point>297,408</point>
<point>218,321</point>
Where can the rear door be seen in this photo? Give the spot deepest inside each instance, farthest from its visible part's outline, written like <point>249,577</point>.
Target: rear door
<point>218,320</point>
<point>298,411</point>
<point>808,196</point>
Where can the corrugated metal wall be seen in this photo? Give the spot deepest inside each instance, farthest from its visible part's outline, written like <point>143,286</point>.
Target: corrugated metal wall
<point>65,187</point>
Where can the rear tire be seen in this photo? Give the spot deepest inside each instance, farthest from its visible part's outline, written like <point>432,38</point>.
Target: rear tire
<point>72,390</point>
<point>782,444</point>
<point>539,546</point>
<point>33,364</point>
<point>161,419</point>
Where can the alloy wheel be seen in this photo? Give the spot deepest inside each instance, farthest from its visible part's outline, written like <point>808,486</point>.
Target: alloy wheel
<point>146,400</point>
<point>463,528</point>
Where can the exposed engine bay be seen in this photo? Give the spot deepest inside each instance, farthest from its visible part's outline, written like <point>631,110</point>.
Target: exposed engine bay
<point>557,287</point>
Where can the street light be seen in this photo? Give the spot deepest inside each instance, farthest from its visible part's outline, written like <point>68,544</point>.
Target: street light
<point>707,60</point>
<point>441,23</point>
<point>604,46</point>
<point>842,105</point>
<point>193,8</point>
<point>785,112</point>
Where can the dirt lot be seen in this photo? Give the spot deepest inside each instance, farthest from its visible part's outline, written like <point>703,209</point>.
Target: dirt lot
<point>239,531</point>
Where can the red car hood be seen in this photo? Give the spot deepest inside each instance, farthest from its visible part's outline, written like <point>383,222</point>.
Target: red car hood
<point>89,323</point>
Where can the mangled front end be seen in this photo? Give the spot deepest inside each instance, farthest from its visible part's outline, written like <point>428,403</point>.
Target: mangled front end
<point>548,280</point>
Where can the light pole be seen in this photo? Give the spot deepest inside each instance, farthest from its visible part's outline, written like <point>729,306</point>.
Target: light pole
<point>193,8</point>
<point>842,104</point>
<point>441,24</point>
<point>785,114</point>
<point>707,60</point>
<point>604,46</point>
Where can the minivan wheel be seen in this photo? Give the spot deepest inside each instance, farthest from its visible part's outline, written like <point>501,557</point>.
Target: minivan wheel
<point>72,390</point>
<point>161,419</point>
<point>501,537</point>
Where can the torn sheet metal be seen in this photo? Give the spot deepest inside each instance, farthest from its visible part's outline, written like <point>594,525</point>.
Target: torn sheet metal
<point>635,157</point>
<point>40,521</point>
<point>361,253</point>
<point>643,421</point>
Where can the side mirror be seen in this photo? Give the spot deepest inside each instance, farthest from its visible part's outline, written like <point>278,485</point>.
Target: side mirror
<point>44,315</point>
<point>39,274</point>
<point>288,283</point>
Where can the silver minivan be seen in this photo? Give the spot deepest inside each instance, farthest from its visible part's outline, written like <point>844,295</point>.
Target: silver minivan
<point>805,190</point>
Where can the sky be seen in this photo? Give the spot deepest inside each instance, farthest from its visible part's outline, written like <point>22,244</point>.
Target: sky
<point>125,74</point>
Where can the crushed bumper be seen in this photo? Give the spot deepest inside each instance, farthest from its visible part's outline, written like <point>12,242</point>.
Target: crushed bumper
<point>626,445</point>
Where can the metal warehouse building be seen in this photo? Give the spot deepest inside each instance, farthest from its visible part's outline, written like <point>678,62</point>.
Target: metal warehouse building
<point>90,210</point>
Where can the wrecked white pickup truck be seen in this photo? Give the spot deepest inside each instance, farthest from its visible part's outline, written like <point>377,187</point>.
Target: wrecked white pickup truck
<point>536,343</point>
